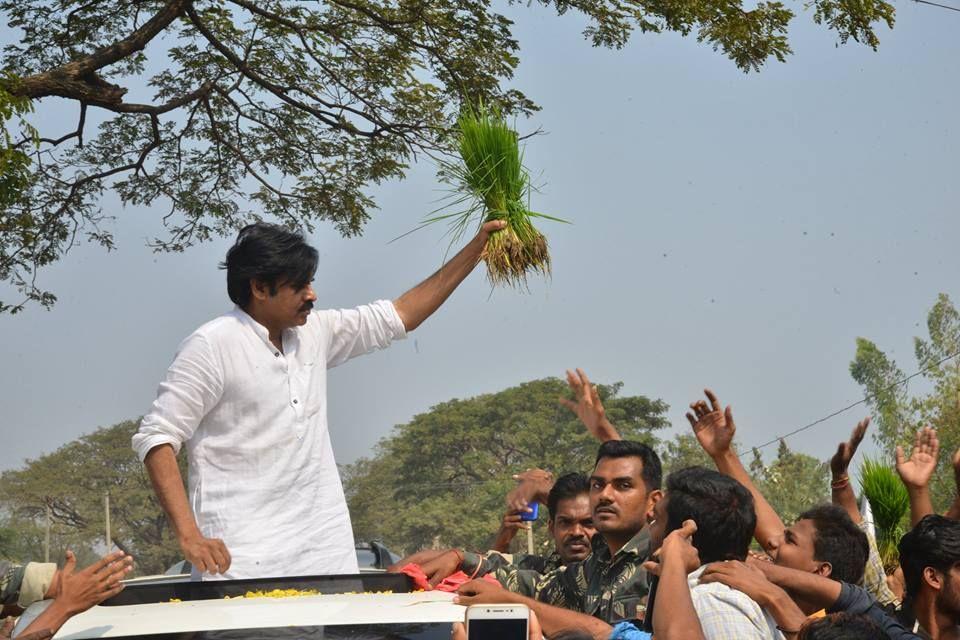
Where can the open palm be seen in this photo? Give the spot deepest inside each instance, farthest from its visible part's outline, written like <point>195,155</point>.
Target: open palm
<point>712,425</point>
<point>918,469</point>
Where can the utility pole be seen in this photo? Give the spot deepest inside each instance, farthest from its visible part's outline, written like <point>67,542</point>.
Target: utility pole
<point>106,509</point>
<point>46,540</point>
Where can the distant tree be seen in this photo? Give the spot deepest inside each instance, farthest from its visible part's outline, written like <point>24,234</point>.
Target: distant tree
<point>72,481</point>
<point>898,413</point>
<point>684,451</point>
<point>287,109</point>
<point>442,477</point>
<point>792,483</point>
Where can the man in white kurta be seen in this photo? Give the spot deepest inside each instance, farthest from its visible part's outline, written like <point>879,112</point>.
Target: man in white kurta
<point>248,398</point>
<point>262,473</point>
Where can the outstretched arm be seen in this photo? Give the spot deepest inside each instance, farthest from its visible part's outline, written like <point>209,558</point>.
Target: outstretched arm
<point>79,591</point>
<point>916,472</point>
<point>843,495</point>
<point>419,303</point>
<point>714,428</point>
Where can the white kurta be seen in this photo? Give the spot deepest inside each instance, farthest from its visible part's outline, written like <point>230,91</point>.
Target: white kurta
<point>262,475</point>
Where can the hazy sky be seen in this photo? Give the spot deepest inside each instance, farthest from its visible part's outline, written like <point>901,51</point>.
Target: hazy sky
<point>737,231</point>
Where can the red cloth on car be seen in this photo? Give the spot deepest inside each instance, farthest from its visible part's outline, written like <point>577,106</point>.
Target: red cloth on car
<point>450,583</point>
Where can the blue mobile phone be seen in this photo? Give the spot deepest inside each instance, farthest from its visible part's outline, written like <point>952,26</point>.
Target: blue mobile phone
<point>532,515</point>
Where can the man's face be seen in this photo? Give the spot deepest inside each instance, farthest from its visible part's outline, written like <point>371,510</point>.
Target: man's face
<point>289,307</point>
<point>948,598</point>
<point>618,496</point>
<point>572,528</point>
<point>795,549</point>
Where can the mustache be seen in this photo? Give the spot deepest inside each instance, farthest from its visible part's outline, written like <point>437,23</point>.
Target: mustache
<point>307,306</point>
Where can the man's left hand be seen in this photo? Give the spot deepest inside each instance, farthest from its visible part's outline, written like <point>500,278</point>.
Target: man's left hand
<point>482,592</point>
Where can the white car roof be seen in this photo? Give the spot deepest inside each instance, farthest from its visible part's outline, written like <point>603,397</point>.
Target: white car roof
<point>257,613</point>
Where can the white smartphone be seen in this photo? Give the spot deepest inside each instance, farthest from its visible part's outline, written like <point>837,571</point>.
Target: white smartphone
<point>498,622</point>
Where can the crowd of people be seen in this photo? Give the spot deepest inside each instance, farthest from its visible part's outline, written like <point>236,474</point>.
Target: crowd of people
<point>671,558</point>
<point>635,553</point>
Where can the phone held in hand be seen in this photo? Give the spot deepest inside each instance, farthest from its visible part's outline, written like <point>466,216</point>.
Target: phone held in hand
<point>530,516</point>
<point>498,622</point>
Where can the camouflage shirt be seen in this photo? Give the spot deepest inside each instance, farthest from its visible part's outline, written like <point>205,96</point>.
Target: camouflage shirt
<point>22,585</point>
<point>609,588</point>
<point>478,565</point>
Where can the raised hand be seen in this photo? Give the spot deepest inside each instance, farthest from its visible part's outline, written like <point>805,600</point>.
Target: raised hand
<point>509,526</point>
<point>846,450</point>
<point>712,425</point>
<point>918,469</point>
<point>533,485</point>
<point>588,407</point>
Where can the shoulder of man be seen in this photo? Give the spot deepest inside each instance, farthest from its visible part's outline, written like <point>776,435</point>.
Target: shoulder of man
<point>728,614</point>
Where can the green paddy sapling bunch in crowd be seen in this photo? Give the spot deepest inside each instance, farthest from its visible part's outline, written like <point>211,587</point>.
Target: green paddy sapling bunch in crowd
<point>491,180</point>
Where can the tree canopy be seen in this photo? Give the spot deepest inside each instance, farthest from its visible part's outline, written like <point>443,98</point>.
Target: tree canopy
<point>72,481</point>
<point>288,110</point>
<point>441,479</point>
<point>898,413</point>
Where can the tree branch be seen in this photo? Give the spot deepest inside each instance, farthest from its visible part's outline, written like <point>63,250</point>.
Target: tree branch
<point>78,79</point>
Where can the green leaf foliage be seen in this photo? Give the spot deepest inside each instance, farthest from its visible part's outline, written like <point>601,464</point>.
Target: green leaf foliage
<point>899,410</point>
<point>285,110</point>
<point>72,481</point>
<point>890,504</point>
<point>792,483</point>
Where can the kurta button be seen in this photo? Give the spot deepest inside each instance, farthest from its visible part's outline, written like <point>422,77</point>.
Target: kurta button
<point>276,353</point>
<point>294,401</point>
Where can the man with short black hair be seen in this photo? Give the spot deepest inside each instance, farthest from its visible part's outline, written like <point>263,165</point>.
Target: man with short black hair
<point>610,584</point>
<point>247,394</point>
<point>823,540</point>
<point>930,559</point>
<point>570,524</point>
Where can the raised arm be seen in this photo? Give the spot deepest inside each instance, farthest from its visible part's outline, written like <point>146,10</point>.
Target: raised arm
<point>588,407</point>
<point>77,591</point>
<point>419,303</point>
<point>533,485</point>
<point>916,472</point>
<point>842,492</point>
<point>714,429</point>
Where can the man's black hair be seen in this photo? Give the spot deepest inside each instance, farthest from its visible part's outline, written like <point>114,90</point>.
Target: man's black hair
<point>721,507</point>
<point>272,254</point>
<point>838,541</point>
<point>934,542</point>
<point>652,470</point>
<point>841,626</point>
<point>567,486</point>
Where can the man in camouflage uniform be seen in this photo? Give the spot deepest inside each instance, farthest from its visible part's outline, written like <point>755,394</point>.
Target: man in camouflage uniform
<point>570,525</point>
<point>610,584</point>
